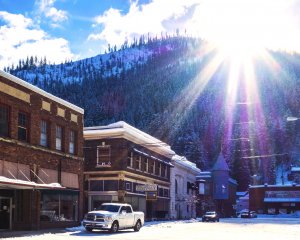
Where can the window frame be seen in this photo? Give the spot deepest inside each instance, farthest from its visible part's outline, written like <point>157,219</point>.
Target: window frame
<point>72,142</point>
<point>138,163</point>
<point>146,165</point>
<point>7,108</point>
<point>23,126</point>
<point>130,160</point>
<point>57,127</point>
<point>45,133</point>
<point>108,160</point>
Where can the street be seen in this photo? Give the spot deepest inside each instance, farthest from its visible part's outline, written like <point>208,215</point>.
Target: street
<point>226,229</point>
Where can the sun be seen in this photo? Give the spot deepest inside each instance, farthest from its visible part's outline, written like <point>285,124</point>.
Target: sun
<point>244,28</point>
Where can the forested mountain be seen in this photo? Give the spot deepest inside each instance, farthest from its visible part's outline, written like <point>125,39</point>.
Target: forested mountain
<point>173,89</point>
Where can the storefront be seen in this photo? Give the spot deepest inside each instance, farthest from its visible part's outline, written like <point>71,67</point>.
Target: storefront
<point>31,206</point>
<point>274,199</point>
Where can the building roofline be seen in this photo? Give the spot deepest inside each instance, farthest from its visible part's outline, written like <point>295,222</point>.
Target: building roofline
<point>123,130</point>
<point>40,91</point>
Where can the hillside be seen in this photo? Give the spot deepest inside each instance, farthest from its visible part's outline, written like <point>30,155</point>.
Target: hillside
<point>170,89</point>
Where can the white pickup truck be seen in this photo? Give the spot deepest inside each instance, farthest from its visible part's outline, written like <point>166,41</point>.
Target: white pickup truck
<point>113,217</point>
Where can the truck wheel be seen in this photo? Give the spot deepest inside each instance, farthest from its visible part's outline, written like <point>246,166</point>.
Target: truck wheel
<point>88,229</point>
<point>114,227</point>
<point>137,226</point>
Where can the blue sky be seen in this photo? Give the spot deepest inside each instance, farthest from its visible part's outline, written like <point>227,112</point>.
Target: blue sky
<point>76,29</point>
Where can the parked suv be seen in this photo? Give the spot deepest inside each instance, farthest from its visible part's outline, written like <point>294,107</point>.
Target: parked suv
<point>210,217</point>
<point>248,214</point>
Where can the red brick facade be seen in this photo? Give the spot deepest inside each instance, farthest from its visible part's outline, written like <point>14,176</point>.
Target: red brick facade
<point>35,159</point>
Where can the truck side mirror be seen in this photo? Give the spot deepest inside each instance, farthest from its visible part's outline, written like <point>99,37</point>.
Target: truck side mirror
<point>123,212</point>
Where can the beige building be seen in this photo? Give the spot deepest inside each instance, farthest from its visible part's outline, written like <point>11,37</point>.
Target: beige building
<point>182,191</point>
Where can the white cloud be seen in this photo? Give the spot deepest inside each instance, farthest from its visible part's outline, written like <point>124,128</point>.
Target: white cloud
<point>20,38</point>
<point>275,24</point>
<point>152,18</point>
<point>46,7</point>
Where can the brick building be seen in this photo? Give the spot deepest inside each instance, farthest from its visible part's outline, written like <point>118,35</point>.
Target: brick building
<point>41,158</point>
<point>274,199</point>
<point>124,164</point>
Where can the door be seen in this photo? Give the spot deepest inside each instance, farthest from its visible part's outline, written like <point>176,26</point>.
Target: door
<point>129,217</point>
<point>122,217</point>
<point>5,213</point>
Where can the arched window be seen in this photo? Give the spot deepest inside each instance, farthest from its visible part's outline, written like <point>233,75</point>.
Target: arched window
<point>176,186</point>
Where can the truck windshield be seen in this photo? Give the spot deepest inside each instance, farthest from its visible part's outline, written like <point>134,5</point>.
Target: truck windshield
<point>109,208</point>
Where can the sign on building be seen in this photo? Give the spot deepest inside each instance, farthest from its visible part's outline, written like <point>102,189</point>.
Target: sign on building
<point>146,188</point>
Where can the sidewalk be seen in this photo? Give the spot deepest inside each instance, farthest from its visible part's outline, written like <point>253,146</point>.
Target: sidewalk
<point>12,234</point>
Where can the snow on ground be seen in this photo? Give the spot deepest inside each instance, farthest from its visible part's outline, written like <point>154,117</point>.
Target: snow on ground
<point>226,229</point>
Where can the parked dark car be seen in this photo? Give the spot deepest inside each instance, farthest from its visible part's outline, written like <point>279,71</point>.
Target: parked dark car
<point>248,214</point>
<point>210,217</point>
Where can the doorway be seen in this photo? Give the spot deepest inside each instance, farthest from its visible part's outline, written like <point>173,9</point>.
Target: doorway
<point>5,213</point>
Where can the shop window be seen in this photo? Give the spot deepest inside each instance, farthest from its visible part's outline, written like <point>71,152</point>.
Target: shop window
<point>44,134</point>
<point>4,121</point>
<point>111,185</point>
<point>166,192</point>
<point>59,207</point>
<point>96,185</point>
<point>72,142</point>
<point>59,136</point>
<point>161,192</point>
<point>22,126</point>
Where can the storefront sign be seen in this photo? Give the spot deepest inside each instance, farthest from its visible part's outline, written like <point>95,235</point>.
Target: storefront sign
<point>146,188</point>
<point>104,164</point>
<point>282,194</point>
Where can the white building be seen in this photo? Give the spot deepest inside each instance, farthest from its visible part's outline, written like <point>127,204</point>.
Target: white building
<point>182,193</point>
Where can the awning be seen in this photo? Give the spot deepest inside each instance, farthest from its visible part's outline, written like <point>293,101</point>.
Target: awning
<point>8,183</point>
<point>152,157</point>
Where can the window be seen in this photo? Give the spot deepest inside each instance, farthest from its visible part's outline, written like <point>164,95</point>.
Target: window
<point>176,186</point>
<point>188,186</point>
<point>163,170</point>
<point>138,160</point>
<point>145,167</point>
<point>22,126</point>
<point>58,138</point>
<point>166,192</point>
<point>130,160</point>
<point>159,169</point>
<point>128,209</point>
<point>4,121</point>
<point>187,208</point>
<point>151,166</point>
<point>128,186</point>
<point>59,207</point>
<point>72,142</point>
<point>103,156</point>
<point>44,134</point>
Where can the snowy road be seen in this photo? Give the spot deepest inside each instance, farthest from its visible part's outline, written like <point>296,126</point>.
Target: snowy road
<point>226,229</point>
